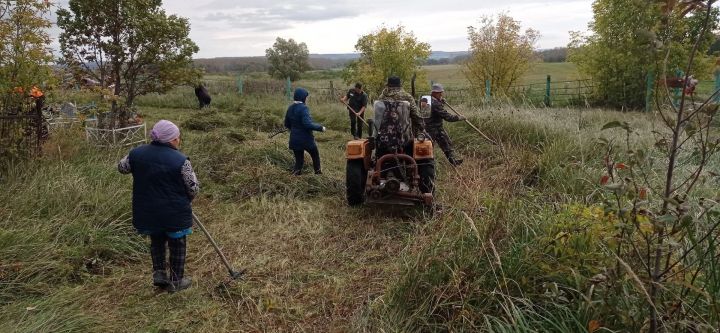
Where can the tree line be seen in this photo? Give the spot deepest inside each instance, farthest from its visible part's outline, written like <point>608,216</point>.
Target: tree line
<point>242,65</point>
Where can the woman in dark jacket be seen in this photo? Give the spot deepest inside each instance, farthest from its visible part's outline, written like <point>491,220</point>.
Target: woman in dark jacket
<point>301,126</point>
<point>164,186</point>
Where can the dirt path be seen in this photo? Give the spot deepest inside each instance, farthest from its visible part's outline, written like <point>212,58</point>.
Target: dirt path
<point>312,266</point>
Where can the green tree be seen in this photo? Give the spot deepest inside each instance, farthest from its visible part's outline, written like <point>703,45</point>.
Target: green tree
<point>500,52</point>
<point>715,47</point>
<point>631,38</point>
<point>24,53</point>
<point>132,46</point>
<point>287,59</point>
<point>387,52</point>
<point>668,230</point>
<point>24,62</point>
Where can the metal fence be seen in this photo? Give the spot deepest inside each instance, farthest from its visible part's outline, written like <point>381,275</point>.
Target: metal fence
<point>559,93</point>
<point>544,94</point>
<point>126,136</point>
<point>568,93</point>
<point>22,130</point>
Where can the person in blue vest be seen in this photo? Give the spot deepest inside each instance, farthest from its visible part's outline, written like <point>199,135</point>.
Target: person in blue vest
<point>301,126</point>
<point>164,186</point>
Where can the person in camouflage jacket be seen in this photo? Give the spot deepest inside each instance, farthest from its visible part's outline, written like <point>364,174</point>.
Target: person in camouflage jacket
<point>434,124</point>
<point>395,93</point>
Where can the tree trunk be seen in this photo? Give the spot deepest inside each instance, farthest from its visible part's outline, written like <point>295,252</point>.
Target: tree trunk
<point>117,112</point>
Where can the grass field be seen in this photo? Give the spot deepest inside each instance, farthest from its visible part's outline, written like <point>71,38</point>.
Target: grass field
<point>490,259</point>
<point>449,75</point>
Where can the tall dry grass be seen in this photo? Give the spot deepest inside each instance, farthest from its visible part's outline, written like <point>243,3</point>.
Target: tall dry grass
<point>513,247</point>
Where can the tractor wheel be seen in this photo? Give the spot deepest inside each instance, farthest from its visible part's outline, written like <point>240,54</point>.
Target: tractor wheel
<point>426,170</point>
<point>355,178</point>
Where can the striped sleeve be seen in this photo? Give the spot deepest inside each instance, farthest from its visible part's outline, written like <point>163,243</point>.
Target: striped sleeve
<point>192,186</point>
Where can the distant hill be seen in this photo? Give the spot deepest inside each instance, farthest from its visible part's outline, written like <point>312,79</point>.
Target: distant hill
<point>352,56</point>
<point>448,55</point>
<point>558,54</point>
<point>317,61</point>
<point>259,64</point>
<point>336,56</point>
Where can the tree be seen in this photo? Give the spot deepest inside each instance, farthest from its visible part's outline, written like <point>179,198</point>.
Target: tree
<point>499,52</point>
<point>715,47</point>
<point>287,59</point>
<point>668,228</point>
<point>629,41</point>
<point>24,62</point>
<point>132,46</point>
<point>387,52</point>
<point>24,53</point>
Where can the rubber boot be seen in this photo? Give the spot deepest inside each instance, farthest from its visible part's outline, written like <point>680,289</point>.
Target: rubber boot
<point>455,161</point>
<point>176,286</point>
<point>160,279</point>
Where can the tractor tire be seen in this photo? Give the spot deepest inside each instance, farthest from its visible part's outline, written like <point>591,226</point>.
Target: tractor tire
<point>426,171</point>
<point>355,179</point>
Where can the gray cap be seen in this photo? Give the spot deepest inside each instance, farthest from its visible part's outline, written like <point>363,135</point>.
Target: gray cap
<point>437,87</point>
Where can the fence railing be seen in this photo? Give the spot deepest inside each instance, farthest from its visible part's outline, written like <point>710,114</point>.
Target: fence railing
<point>22,130</point>
<point>577,93</point>
<point>549,93</point>
<point>125,136</point>
<point>56,124</point>
<point>543,94</point>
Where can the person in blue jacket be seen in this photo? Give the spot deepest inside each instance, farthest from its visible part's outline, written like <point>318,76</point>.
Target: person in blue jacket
<point>301,126</point>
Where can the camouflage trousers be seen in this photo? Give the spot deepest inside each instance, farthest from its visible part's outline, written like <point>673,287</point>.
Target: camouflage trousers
<point>441,139</point>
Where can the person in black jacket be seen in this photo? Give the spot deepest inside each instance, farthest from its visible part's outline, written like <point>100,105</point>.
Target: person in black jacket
<point>358,100</point>
<point>164,186</point>
<point>434,124</point>
<point>202,95</point>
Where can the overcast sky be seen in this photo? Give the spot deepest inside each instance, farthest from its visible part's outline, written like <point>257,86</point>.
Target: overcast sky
<point>231,28</point>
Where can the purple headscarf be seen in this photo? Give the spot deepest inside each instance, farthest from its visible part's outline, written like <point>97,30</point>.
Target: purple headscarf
<point>164,131</point>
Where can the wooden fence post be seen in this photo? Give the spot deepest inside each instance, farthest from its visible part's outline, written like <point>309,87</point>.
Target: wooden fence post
<point>717,85</point>
<point>488,91</point>
<point>677,92</point>
<point>548,101</point>
<point>288,88</point>
<point>332,91</point>
<point>649,91</point>
<point>579,91</point>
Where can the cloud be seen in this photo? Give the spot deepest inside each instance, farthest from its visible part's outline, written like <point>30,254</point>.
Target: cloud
<point>248,27</point>
<point>264,16</point>
<point>247,21</point>
<point>276,17</point>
